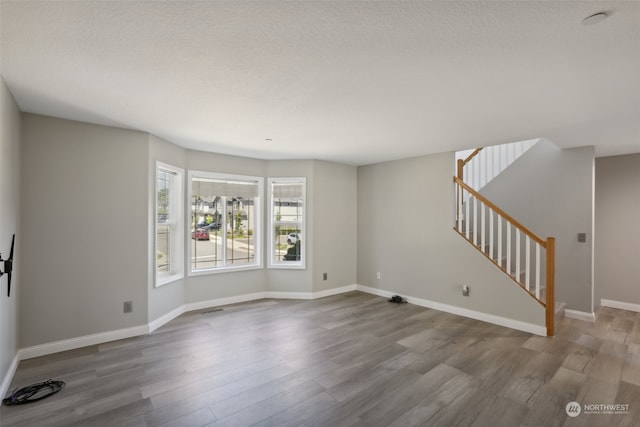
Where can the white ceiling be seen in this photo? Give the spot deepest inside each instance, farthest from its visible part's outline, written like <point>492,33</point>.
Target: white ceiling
<point>354,82</point>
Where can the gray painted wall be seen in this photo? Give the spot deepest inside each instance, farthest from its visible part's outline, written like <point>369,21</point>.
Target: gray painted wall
<point>550,191</point>
<point>87,187</point>
<point>9,224</point>
<point>617,242</point>
<point>335,199</point>
<point>405,232</point>
<point>84,229</point>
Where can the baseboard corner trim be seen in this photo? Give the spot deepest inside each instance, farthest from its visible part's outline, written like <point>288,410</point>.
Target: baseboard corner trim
<point>580,315</point>
<point>620,305</point>
<point>166,318</point>
<point>8,376</point>
<point>83,341</point>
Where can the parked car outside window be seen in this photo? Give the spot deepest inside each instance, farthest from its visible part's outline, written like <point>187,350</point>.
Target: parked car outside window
<point>200,234</point>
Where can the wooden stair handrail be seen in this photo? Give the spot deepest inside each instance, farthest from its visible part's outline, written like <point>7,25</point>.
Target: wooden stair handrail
<point>462,163</point>
<point>502,213</point>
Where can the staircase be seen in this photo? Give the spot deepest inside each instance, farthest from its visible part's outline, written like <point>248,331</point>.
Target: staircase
<point>523,256</point>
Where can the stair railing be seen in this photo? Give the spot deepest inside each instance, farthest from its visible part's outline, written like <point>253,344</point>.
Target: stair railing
<point>511,246</point>
<point>484,164</point>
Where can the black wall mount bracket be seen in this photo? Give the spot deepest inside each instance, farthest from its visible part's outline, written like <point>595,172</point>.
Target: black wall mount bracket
<point>7,265</point>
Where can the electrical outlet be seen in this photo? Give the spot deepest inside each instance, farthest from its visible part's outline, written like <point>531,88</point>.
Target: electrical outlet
<point>128,306</point>
<point>582,237</point>
<point>465,290</point>
<point>324,276</point>
<point>378,275</point>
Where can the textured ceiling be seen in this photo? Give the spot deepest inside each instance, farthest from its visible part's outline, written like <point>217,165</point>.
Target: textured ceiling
<point>354,82</point>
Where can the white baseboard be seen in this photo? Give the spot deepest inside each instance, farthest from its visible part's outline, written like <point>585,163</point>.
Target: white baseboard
<point>166,318</point>
<point>310,295</point>
<point>223,301</point>
<point>73,343</point>
<point>375,291</point>
<point>620,305</point>
<point>580,315</point>
<point>334,291</point>
<point>472,314</point>
<point>288,295</point>
<point>6,381</point>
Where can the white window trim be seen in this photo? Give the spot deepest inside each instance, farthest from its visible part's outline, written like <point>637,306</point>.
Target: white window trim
<point>287,265</point>
<point>177,248</point>
<point>259,264</point>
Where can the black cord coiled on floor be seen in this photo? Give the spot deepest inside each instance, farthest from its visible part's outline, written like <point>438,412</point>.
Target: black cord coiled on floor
<point>33,392</point>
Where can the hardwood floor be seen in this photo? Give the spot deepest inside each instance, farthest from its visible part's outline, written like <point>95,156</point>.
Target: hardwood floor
<point>347,360</point>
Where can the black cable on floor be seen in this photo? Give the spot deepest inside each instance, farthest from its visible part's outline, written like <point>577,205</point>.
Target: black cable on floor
<point>33,392</point>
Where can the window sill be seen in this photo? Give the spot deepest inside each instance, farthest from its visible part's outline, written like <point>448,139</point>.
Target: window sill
<point>225,270</point>
<point>165,280</point>
<point>287,267</point>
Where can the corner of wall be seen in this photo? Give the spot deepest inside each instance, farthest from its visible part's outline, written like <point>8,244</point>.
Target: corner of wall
<point>10,224</point>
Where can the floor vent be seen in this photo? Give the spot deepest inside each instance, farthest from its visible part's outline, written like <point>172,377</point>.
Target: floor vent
<point>212,311</point>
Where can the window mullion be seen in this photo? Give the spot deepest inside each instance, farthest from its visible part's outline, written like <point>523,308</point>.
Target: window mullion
<point>223,231</point>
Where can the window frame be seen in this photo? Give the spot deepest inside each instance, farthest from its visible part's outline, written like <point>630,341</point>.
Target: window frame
<point>176,210</point>
<point>257,234</point>
<point>273,263</point>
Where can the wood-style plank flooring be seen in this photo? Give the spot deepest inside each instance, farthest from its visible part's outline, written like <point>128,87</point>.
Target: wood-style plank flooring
<point>347,360</point>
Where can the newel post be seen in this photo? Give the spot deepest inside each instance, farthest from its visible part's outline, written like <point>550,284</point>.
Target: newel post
<point>551,291</point>
<point>461,169</point>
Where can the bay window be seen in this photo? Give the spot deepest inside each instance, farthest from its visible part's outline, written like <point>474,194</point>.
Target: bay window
<point>225,222</point>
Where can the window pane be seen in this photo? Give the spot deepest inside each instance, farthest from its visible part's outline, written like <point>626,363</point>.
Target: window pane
<point>169,230</point>
<point>288,241</point>
<point>224,222</point>
<point>206,221</point>
<point>163,196</point>
<point>287,222</point>
<point>240,231</point>
<point>163,254</point>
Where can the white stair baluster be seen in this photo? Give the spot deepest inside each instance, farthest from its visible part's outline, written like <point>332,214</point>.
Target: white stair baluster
<point>508,266</point>
<point>518,255</point>
<point>476,173</point>
<point>499,223</point>
<point>483,230</point>
<point>459,188</point>
<point>475,221</point>
<point>527,274</point>
<point>466,217</point>
<point>485,162</point>
<point>537,270</point>
<point>491,233</point>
